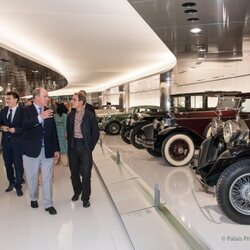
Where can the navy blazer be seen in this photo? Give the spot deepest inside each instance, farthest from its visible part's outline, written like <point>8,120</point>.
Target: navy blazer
<point>89,128</point>
<point>15,138</point>
<point>34,133</point>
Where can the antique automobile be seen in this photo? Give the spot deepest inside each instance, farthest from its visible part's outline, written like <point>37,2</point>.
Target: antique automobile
<point>131,127</point>
<point>131,131</point>
<point>223,167</point>
<point>105,110</point>
<point>177,143</point>
<point>111,123</point>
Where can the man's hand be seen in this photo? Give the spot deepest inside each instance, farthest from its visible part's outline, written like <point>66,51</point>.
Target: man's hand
<point>47,114</point>
<point>56,157</point>
<point>12,130</point>
<point>5,128</point>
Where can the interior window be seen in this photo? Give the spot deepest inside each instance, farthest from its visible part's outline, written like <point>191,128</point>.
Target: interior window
<point>196,102</point>
<point>246,105</point>
<point>212,101</point>
<point>179,102</point>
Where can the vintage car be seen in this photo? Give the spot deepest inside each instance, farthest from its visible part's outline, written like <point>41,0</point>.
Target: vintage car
<point>105,110</point>
<point>177,143</point>
<point>131,127</point>
<point>111,122</point>
<point>223,167</point>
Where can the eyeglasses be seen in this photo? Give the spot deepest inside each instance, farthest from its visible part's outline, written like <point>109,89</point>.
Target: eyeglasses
<point>74,100</point>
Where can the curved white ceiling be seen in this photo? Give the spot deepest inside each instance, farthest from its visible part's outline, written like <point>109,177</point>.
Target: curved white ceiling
<point>94,44</point>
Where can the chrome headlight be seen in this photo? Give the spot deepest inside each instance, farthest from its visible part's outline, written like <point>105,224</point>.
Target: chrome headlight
<point>128,121</point>
<point>217,126</point>
<point>156,124</point>
<point>166,122</point>
<point>231,131</point>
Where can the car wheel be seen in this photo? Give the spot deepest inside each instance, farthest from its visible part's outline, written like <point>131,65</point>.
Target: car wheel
<point>153,152</point>
<point>136,133</point>
<point>125,136</point>
<point>178,149</point>
<point>233,192</point>
<point>113,128</point>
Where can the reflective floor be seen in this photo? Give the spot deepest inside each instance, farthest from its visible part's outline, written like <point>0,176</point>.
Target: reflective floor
<point>184,198</point>
<point>73,228</point>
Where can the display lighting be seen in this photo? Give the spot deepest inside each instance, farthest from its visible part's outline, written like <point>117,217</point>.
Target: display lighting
<point>195,30</point>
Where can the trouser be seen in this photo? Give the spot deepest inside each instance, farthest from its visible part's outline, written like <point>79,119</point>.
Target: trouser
<point>32,167</point>
<point>13,163</point>
<point>80,163</point>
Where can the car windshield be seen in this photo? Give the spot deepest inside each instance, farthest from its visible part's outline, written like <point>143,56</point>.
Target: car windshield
<point>228,102</point>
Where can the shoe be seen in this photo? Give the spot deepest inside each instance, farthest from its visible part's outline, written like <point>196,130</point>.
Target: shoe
<point>10,188</point>
<point>86,204</point>
<point>34,204</point>
<point>23,181</point>
<point>75,197</point>
<point>19,192</point>
<point>51,210</point>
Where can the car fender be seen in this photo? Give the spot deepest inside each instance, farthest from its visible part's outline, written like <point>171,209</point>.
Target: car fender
<point>162,135</point>
<point>227,158</point>
<point>140,123</point>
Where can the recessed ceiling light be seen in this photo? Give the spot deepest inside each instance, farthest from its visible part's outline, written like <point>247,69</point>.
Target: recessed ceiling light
<point>188,4</point>
<point>190,11</point>
<point>193,19</point>
<point>195,30</point>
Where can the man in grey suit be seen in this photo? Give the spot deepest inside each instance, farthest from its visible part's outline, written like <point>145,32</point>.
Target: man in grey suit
<point>40,148</point>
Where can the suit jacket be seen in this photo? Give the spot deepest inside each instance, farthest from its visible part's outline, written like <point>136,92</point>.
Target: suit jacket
<point>15,138</point>
<point>90,108</point>
<point>89,128</point>
<point>34,133</point>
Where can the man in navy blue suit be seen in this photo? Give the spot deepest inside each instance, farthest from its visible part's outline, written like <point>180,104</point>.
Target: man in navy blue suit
<point>11,126</point>
<point>40,148</point>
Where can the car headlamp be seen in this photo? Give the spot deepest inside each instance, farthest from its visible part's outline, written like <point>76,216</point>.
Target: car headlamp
<point>217,126</point>
<point>166,122</point>
<point>231,131</point>
<point>156,124</point>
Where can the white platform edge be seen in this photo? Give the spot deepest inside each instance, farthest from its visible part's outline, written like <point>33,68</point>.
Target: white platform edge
<point>108,156</point>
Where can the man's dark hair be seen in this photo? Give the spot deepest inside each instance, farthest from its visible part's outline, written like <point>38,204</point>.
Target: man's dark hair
<point>14,94</point>
<point>81,97</point>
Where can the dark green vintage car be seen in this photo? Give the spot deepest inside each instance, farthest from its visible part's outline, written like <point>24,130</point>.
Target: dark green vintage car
<point>111,122</point>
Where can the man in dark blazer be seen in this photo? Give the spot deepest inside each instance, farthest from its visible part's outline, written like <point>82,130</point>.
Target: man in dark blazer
<point>11,126</point>
<point>40,148</point>
<point>82,135</point>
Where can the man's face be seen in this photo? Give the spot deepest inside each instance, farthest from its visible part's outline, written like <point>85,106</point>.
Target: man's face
<point>75,102</point>
<point>11,101</point>
<point>42,99</point>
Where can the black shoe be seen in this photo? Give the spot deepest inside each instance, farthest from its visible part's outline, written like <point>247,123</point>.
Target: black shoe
<point>34,204</point>
<point>75,197</point>
<point>19,192</point>
<point>86,204</point>
<point>10,188</point>
<point>51,210</point>
<point>23,181</point>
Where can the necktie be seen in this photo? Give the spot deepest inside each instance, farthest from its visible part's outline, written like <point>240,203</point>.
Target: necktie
<point>40,111</point>
<point>9,118</point>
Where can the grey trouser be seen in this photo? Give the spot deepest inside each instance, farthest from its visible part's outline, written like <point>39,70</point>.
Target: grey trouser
<point>31,168</point>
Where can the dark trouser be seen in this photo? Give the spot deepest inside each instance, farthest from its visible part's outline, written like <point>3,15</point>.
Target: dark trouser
<point>12,156</point>
<point>80,163</point>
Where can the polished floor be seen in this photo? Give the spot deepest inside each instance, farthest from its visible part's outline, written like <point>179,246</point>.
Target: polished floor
<point>98,227</point>
<point>184,198</point>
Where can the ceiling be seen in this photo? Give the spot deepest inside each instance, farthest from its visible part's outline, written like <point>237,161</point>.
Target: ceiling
<point>94,44</point>
<point>221,49</point>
